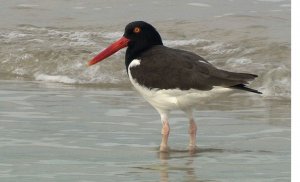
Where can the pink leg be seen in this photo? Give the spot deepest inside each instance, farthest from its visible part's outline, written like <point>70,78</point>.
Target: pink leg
<point>192,132</point>
<point>165,131</point>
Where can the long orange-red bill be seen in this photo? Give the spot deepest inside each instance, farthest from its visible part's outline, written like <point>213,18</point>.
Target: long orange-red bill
<point>114,47</point>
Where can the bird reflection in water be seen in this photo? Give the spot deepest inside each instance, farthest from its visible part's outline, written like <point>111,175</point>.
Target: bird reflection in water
<point>188,168</point>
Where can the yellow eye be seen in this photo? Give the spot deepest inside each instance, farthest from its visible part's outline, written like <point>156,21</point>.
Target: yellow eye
<point>137,30</point>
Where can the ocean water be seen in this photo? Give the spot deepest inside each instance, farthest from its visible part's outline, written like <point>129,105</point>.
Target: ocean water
<point>63,121</point>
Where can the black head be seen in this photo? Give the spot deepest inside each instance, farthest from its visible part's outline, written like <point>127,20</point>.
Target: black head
<point>138,37</point>
<point>142,36</point>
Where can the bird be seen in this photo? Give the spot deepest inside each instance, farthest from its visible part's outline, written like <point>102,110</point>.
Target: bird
<point>171,79</point>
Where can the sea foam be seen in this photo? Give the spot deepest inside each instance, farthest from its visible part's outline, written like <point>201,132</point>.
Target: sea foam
<point>54,78</point>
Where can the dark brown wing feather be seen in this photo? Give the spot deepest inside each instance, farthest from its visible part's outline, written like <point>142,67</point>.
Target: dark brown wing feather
<point>166,68</point>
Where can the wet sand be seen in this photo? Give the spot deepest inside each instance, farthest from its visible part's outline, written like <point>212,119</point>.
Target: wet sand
<point>69,132</point>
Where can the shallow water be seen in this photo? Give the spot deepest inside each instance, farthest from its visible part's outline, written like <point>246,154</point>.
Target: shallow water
<point>62,121</point>
<point>57,132</point>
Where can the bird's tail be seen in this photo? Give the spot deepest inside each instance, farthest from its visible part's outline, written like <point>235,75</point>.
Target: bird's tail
<point>244,87</point>
<point>236,80</point>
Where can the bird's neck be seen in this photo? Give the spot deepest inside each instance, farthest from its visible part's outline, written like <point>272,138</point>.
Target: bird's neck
<point>136,48</point>
<point>134,52</point>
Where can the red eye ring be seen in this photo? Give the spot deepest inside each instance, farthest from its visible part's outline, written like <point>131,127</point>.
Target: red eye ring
<point>137,30</point>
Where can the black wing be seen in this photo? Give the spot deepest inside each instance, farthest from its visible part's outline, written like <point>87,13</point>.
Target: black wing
<point>166,68</point>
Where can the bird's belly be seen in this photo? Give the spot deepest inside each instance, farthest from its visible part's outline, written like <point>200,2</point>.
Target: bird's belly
<point>172,99</point>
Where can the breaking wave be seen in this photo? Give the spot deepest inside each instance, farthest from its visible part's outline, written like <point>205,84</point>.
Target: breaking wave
<point>60,55</point>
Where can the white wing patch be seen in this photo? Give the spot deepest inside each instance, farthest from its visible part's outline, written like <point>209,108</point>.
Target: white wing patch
<point>202,61</point>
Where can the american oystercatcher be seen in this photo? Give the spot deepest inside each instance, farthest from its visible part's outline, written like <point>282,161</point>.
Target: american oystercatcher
<point>170,78</point>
